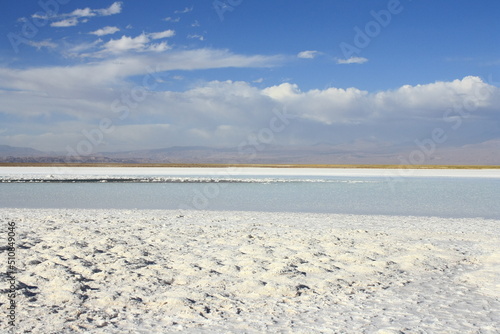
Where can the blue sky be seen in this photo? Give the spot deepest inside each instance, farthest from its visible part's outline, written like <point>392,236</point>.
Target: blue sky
<point>148,74</point>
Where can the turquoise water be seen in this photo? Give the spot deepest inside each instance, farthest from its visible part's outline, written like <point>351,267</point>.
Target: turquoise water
<point>422,196</point>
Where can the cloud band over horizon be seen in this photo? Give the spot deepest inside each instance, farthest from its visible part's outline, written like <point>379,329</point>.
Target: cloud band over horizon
<point>74,101</point>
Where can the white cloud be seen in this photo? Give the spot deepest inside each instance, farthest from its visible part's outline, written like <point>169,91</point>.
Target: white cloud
<point>86,12</point>
<point>171,19</point>
<point>43,44</point>
<point>162,34</point>
<point>184,11</point>
<point>308,54</point>
<point>285,91</point>
<point>126,43</point>
<point>72,19</point>
<point>77,50</point>
<point>98,76</point>
<point>65,23</point>
<point>158,47</point>
<point>196,36</point>
<point>105,31</point>
<point>352,60</point>
<point>115,8</point>
<point>140,43</point>
<point>38,15</point>
<point>85,93</point>
<point>413,104</point>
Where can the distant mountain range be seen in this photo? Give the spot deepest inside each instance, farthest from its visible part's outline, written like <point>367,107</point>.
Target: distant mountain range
<point>487,153</point>
<point>6,150</point>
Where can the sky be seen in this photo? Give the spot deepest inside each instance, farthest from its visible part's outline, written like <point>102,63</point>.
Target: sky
<point>83,77</point>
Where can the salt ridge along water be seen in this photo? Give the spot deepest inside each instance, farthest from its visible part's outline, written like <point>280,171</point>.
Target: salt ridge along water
<point>82,172</point>
<point>160,179</point>
<point>157,271</point>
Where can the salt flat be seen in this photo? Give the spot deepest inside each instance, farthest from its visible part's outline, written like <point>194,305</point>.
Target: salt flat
<point>122,271</point>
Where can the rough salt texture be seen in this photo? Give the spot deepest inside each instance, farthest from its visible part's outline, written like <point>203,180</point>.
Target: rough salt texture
<point>112,271</point>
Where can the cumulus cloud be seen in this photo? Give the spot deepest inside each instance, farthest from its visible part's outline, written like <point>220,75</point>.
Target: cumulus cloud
<point>162,34</point>
<point>86,12</point>
<point>115,8</point>
<point>105,31</point>
<point>352,60</point>
<point>413,103</point>
<point>71,22</point>
<point>140,43</point>
<point>308,54</point>
<point>158,47</point>
<point>126,43</point>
